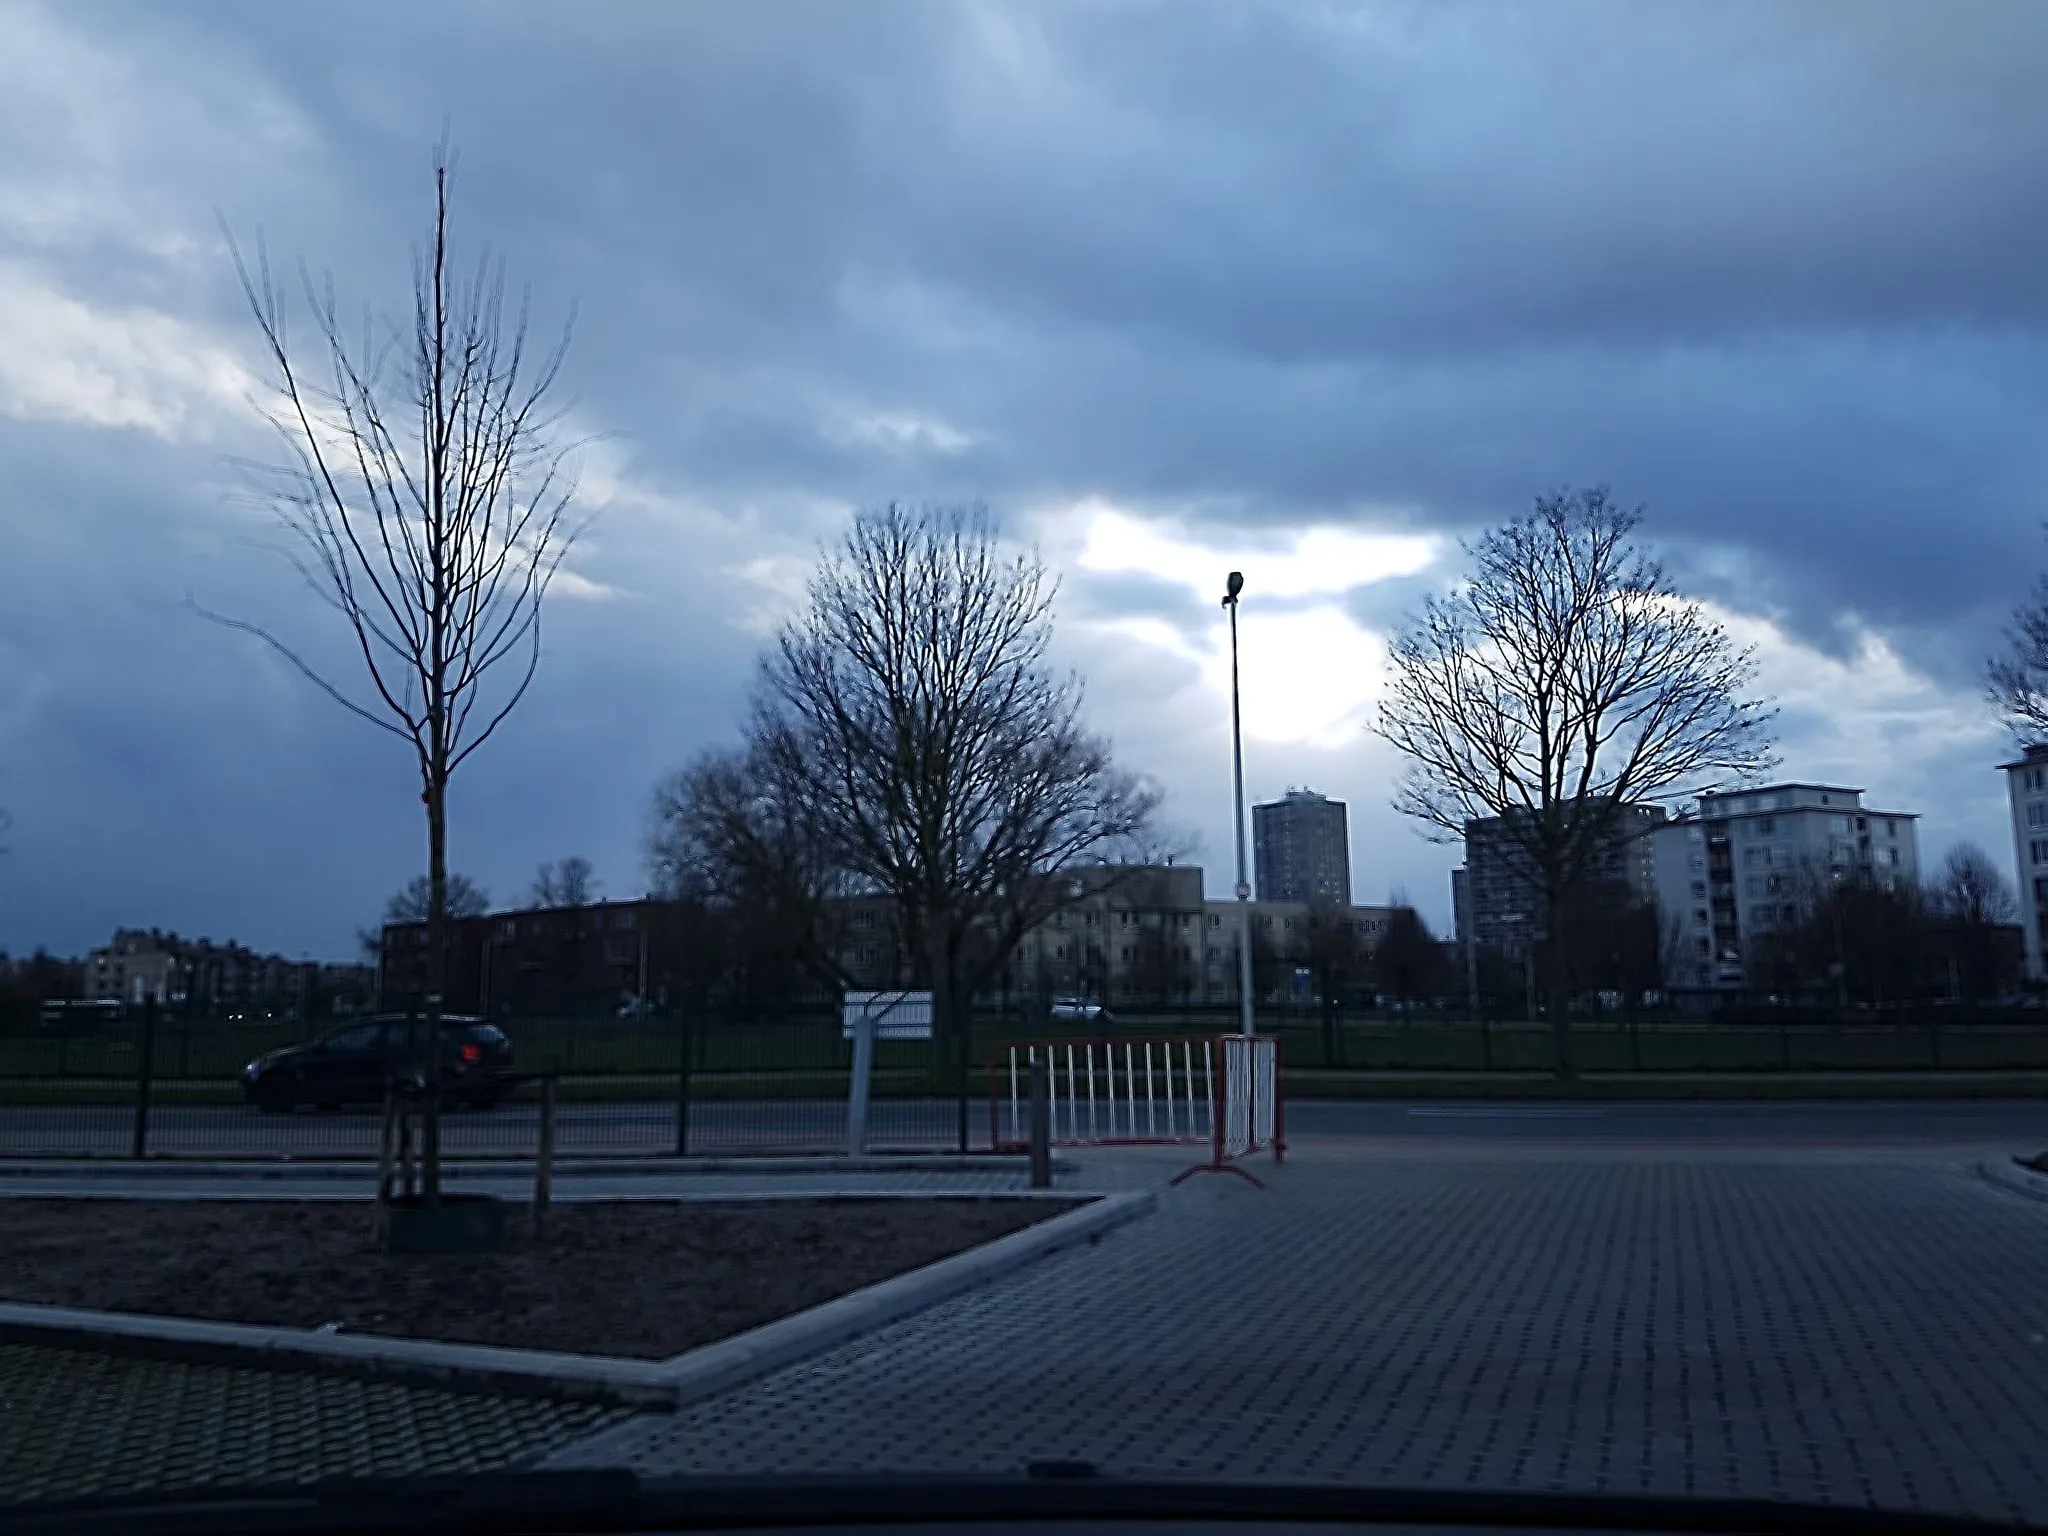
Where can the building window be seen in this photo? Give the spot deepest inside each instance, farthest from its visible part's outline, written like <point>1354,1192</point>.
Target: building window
<point>2041,891</point>
<point>1215,921</point>
<point>1766,826</point>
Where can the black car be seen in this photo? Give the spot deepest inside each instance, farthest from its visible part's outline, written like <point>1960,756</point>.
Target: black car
<point>355,1064</point>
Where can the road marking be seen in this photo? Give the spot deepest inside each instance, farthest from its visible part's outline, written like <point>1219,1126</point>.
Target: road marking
<point>1490,1112</point>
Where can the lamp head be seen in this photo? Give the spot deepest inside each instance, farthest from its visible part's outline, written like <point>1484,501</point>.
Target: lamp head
<point>1232,587</point>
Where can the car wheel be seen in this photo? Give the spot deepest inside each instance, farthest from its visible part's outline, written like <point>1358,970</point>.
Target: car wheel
<point>276,1096</point>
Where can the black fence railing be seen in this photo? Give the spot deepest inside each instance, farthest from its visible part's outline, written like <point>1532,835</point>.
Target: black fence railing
<point>154,1085</point>
<point>144,1085</point>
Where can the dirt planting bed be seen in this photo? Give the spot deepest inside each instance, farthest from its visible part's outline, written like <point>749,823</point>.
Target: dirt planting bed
<point>642,1278</point>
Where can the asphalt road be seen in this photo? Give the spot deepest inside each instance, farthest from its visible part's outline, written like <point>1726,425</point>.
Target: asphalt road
<point>1930,1123</point>
<point>820,1125</point>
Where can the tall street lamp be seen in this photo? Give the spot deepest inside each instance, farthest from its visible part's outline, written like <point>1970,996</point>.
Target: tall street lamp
<point>1234,586</point>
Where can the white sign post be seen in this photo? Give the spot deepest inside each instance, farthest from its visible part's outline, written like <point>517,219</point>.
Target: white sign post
<point>865,1018</point>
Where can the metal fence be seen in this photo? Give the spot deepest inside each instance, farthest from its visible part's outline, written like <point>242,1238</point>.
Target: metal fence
<point>149,1086</point>
<point>162,1086</point>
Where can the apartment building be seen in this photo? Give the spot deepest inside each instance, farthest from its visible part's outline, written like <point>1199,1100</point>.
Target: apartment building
<point>551,961</point>
<point>1127,938</point>
<point>1496,900</point>
<point>1744,862</point>
<point>2026,785</point>
<point>219,980</point>
<point>1301,849</point>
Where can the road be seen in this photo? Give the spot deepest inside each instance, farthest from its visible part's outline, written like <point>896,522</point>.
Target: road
<point>581,1130</point>
<point>1931,1124</point>
<point>719,1126</point>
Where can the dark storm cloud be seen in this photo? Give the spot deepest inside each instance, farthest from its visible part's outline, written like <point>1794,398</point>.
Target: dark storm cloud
<point>1772,271</point>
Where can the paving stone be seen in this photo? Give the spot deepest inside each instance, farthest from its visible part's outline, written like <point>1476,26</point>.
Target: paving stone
<point>1790,1328</point>
<point>81,1423</point>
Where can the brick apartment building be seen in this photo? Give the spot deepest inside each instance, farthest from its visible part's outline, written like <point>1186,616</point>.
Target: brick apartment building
<point>551,961</point>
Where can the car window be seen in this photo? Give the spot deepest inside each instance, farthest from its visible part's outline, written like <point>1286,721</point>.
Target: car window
<point>362,1038</point>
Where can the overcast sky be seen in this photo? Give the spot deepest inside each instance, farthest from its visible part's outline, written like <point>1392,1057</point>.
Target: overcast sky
<point>1310,290</point>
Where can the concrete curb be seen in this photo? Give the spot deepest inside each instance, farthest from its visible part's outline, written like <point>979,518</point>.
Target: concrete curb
<point>2007,1174</point>
<point>645,1384</point>
<point>510,1168</point>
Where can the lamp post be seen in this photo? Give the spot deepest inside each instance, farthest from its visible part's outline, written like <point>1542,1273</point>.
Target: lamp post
<point>1232,587</point>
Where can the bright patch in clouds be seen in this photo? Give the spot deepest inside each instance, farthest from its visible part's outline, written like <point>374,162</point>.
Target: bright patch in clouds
<point>134,368</point>
<point>1867,716</point>
<point>1320,561</point>
<point>1309,671</point>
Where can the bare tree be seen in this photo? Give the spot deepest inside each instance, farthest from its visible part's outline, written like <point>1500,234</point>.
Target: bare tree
<point>734,830</point>
<point>1564,682</point>
<point>415,903</point>
<point>1972,901</point>
<point>907,720</point>
<point>1408,961</point>
<point>567,884</point>
<point>1972,888</point>
<point>2017,680</point>
<point>426,500</point>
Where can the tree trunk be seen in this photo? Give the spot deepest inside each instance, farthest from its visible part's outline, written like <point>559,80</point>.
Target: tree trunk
<point>437,980</point>
<point>1556,988</point>
<point>949,1022</point>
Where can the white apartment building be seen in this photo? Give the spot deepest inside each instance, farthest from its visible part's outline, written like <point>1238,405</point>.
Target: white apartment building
<point>1740,866</point>
<point>2026,783</point>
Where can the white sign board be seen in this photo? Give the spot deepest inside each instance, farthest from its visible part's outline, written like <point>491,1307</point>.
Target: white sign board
<point>896,1015</point>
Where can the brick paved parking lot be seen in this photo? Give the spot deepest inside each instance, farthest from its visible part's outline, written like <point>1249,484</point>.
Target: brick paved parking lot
<point>1794,1327</point>
<point>80,1423</point>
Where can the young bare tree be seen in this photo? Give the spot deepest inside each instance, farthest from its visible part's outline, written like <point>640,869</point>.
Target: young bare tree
<point>1564,682</point>
<point>567,884</point>
<point>426,499</point>
<point>909,721</point>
